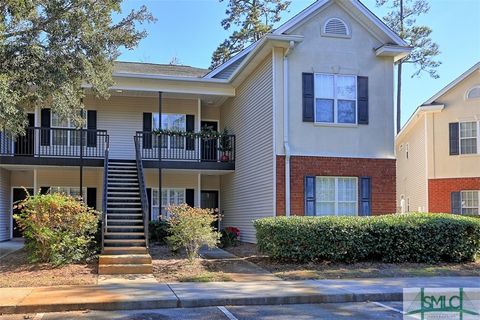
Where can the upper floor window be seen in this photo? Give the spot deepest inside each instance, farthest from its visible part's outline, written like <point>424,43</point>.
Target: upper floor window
<point>335,98</point>
<point>66,137</point>
<point>335,27</point>
<point>473,93</point>
<point>170,121</point>
<point>468,137</point>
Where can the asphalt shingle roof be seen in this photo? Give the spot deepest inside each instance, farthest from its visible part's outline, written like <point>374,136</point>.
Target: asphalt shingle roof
<point>159,69</point>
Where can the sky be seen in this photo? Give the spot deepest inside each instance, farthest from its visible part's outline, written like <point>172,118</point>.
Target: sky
<point>190,31</point>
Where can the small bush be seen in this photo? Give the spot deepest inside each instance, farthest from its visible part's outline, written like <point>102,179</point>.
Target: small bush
<point>191,228</point>
<point>413,237</point>
<point>230,237</point>
<point>158,231</point>
<point>58,229</point>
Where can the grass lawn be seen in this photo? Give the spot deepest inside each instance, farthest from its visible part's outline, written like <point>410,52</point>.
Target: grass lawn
<point>326,270</point>
<point>16,271</point>
<point>170,267</point>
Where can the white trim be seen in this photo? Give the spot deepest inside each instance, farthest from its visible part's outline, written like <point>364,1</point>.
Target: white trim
<point>452,84</point>
<point>477,137</point>
<point>11,206</point>
<point>470,90</point>
<point>397,52</point>
<point>416,115</point>
<point>229,62</point>
<point>274,129</point>
<point>169,78</point>
<point>426,163</point>
<point>461,201</point>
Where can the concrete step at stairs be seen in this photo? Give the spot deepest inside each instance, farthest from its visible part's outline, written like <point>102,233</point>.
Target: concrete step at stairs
<point>125,269</point>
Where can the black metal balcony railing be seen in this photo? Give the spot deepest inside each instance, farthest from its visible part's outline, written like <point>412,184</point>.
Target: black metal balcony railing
<point>178,147</point>
<point>55,142</point>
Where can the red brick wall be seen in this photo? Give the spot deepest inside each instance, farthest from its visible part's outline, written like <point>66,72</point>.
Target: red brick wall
<point>381,171</point>
<point>439,191</point>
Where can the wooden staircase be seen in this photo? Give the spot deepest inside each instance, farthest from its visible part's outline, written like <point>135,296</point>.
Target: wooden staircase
<point>124,243</point>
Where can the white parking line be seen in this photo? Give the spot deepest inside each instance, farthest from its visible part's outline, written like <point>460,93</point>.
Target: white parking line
<point>388,307</point>
<point>227,313</point>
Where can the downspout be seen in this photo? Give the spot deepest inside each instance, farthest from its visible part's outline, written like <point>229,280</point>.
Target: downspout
<point>285,128</point>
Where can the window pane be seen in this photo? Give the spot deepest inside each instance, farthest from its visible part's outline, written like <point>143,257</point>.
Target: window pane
<point>325,189</point>
<point>468,146</point>
<point>346,111</point>
<point>347,189</point>
<point>325,209</point>
<point>156,121</point>
<point>155,197</point>
<point>347,209</point>
<point>57,122</point>
<point>468,129</point>
<point>469,199</point>
<point>345,87</point>
<point>177,122</point>
<point>324,110</point>
<point>324,86</point>
<point>165,121</point>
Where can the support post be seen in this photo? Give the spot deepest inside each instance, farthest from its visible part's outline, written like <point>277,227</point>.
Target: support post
<point>81,163</point>
<point>159,151</point>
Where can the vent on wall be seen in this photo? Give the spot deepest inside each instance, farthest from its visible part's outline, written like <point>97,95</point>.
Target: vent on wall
<point>335,27</point>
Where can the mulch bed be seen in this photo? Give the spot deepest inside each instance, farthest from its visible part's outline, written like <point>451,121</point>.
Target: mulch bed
<point>16,271</point>
<point>329,270</point>
<point>175,267</point>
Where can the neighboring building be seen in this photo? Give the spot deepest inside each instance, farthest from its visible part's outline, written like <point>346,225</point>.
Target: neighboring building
<point>438,151</point>
<point>310,112</point>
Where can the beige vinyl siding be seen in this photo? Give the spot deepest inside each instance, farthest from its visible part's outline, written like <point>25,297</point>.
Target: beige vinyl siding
<point>411,172</point>
<point>5,210</point>
<point>122,117</point>
<point>247,193</point>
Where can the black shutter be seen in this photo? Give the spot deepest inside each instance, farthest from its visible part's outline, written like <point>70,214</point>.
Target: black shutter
<point>44,190</point>
<point>454,138</point>
<point>147,127</point>
<point>190,127</point>
<point>92,198</point>
<point>149,197</point>
<point>362,100</point>
<point>456,202</point>
<point>190,197</point>
<point>308,97</point>
<point>45,123</point>
<point>365,202</point>
<point>309,194</point>
<point>92,125</point>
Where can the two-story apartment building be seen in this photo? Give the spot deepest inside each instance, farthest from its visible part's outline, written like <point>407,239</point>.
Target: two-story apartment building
<point>438,151</point>
<point>309,108</point>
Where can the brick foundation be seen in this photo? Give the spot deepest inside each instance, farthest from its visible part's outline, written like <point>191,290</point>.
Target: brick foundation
<point>439,191</point>
<point>381,171</point>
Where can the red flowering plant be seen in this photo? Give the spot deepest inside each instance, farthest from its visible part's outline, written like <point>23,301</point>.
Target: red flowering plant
<point>230,237</point>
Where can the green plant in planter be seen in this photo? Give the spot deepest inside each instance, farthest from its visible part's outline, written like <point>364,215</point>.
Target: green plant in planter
<point>225,145</point>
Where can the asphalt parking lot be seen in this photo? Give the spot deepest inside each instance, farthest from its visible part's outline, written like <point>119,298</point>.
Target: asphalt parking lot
<point>359,311</point>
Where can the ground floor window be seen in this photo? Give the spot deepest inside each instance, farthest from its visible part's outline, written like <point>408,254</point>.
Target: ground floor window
<point>470,202</point>
<point>170,196</point>
<point>336,196</point>
<point>71,191</point>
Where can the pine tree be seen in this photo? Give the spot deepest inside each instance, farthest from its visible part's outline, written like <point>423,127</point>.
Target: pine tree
<point>402,19</point>
<point>253,19</point>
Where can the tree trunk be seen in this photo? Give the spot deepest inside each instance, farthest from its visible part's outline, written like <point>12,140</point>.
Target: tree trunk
<point>399,96</point>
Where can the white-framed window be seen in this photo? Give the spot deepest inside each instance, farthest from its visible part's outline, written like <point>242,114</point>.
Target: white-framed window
<point>170,196</point>
<point>473,93</point>
<point>335,98</point>
<point>470,202</point>
<point>336,196</point>
<point>469,137</point>
<point>170,121</point>
<point>70,191</point>
<point>66,137</point>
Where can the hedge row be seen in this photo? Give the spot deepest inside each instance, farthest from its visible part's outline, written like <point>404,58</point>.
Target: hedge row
<point>413,237</point>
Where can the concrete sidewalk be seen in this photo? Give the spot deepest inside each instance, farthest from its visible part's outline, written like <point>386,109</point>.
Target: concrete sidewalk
<point>130,295</point>
<point>10,246</point>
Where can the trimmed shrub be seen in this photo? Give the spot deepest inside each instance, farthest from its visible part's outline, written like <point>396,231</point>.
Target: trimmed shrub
<point>158,231</point>
<point>413,237</point>
<point>191,228</point>
<point>58,229</point>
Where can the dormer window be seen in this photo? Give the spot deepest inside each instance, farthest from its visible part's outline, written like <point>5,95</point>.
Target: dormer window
<point>473,93</point>
<point>335,27</point>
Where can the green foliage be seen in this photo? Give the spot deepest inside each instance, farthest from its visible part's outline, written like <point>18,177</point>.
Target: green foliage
<point>191,228</point>
<point>158,231</point>
<point>413,237</point>
<point>48,49</point>
<point>230,237</point>
<point>58,229</point>
<point>253,20</point>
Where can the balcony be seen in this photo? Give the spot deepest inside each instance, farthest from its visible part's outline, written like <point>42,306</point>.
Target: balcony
<point>56,146</point>
<point>186,151</point>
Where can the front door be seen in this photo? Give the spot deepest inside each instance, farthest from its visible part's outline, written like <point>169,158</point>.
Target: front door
<point>18,195</point>
<point>209,146</point>
<point>24,145</point>
<point>209,200</point>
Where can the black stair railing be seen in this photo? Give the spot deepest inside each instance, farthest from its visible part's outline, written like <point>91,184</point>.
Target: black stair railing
<point>104,224</point>
<point>142,186</point>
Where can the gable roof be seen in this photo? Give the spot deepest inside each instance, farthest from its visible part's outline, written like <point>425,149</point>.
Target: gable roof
<point>126,67</point>
<point>304,15</point>
<point>452,84</point>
